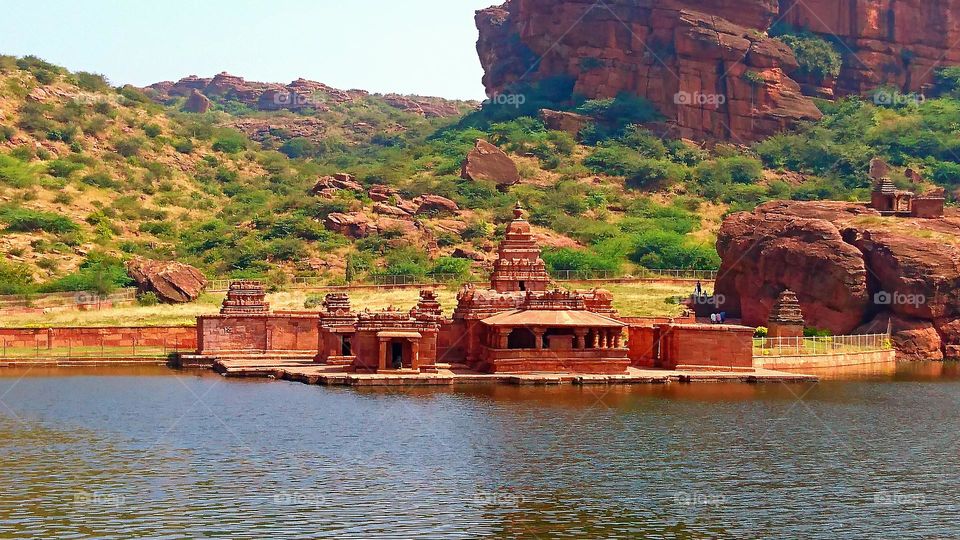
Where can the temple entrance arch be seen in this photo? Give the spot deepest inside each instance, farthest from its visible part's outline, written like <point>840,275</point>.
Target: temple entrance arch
<point>521,338</point>
<point>396,354</point>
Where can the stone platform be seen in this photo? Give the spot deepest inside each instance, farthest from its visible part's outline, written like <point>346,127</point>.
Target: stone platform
<point>312,373</point>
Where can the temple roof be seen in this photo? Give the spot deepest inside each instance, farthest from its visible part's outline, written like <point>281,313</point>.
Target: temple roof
<point>552,317</point>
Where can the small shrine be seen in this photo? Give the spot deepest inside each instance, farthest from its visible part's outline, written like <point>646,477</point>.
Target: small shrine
<point>888,200</point>
<point>245,297</point>
<point>786,317</point>
<point>518,267</point>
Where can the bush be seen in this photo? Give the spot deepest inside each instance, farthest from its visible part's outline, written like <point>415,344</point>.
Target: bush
<point>184,146</point>
<point>129,146</point>
<point>7,133</point>
<point>298,147</point>
<point>100,179</point>
<point>100,273</point>
<point>16,173</point>
<point>152,130</point>
<point>61,168</point>
<point>817,57</point>
<point>148,299</point>
<point>458,268</point>
<point>20,219</point>
<point>92,82</point>
<point>230,142</point>
<point>15,278</point>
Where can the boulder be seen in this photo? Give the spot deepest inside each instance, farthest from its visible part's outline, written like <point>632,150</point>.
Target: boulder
<point>409,207</point>
<point>488,163</point>
<point>847,264</point>
<point>338,181</point>
<point>171,281</point>
<point>352,224</point>
<point>764,253</point>
<point>381,193</point>
<point>468,253</point>
<point>197,103</point>
<point>914,339</point>
<point>569,122</point>
<point>387,210</point>
<point>435,204</point>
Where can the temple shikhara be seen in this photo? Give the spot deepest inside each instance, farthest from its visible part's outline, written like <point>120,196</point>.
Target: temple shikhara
<point>519,324</point>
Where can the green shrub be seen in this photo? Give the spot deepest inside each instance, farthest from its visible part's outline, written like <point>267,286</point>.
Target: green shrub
<point>457,268</point>
<point>152,130</point>
<point>817,57</point>
<point>7,133</point>
<point>15,278</point>
<point>61,168</point>
<point>16,173</point>
<point>148,299</point>
<point>184,146</point>
<point>92,82</point>
<point>20,219</point>
<point>100,273</point>
<point>298,147</point>
<point>101,179</point>
<point>129,146</point>
<point>229,142</point>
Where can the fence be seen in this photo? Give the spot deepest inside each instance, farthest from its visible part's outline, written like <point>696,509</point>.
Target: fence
<point>814,346</point>
<point>313,282</point>
<point>83,299</point>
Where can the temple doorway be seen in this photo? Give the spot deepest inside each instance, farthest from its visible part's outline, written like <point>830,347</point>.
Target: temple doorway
<point>396,355</point>
<point>521,338</point>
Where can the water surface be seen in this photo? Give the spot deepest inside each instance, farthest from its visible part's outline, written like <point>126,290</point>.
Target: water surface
<point>151,452</point>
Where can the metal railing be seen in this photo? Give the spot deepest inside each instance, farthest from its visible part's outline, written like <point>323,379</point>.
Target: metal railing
<point>66,299</point>
<point>814,346</point>
<point>311,282</point>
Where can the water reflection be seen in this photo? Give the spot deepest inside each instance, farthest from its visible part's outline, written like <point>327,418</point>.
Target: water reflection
<point>151,452</point>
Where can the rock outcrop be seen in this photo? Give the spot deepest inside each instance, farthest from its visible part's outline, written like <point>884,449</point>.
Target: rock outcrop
<point>488,163</point>
<point>171,281</point>
<point>709,65</point>
<point>299,95</point>
<point>197,103</point>
<point>852,270</point>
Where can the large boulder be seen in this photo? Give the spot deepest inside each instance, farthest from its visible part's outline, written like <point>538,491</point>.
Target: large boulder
<point>352,224</point>
<point>914,339</point>
<point>197,103</point>
<point>566,121</point>
<point>764,253</point>
<point>852,270</point>
<point>171,281</point>
<point>342,181</point>
<point>488,163</point>
<point>435,204</point>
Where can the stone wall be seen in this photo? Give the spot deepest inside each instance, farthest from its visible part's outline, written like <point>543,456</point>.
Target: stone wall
<point>255,333</point>
<point>822,361</point>
<point>705,346</point>
<point>179,337</point>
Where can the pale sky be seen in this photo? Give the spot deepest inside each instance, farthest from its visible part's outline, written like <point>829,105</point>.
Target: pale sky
<point>413,46</point>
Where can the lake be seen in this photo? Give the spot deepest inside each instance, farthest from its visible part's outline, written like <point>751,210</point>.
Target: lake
<point>148,451</point>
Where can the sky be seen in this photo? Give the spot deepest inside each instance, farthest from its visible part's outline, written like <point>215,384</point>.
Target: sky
<point>422,47</point>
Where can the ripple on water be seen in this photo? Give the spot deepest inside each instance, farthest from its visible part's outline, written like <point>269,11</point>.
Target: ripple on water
<point>170,456</point>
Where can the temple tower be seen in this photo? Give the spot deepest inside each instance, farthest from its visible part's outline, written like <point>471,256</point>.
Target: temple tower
<point>245,297</point>
<point>786,318</point>
<point>518,266</point>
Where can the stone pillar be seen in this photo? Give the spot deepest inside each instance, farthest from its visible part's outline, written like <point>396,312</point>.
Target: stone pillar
<point>581,334</point>
<point>383,354</point>
<point>607,338</point>
<point>538,337</point>
<point>415,354</point>
<point>617,335</point>
<point>503,337</point>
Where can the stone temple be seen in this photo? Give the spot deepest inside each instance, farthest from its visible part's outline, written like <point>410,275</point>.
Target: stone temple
<point>519,324</point>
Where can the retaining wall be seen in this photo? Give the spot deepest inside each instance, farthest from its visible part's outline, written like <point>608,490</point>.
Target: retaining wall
<point>179,337</point>
<point>824,361</point>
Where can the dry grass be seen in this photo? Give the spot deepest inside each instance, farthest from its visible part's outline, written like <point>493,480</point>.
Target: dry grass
<point>633,299</point>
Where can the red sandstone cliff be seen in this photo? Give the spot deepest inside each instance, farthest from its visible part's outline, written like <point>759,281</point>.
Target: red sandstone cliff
<point>852,270</point>
<point>672,51</point>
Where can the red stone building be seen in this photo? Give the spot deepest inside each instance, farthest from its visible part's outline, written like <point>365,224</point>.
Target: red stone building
<point>518,325</point>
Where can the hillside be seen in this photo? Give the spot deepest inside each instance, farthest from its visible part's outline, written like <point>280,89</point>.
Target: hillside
<point>92,174</point>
